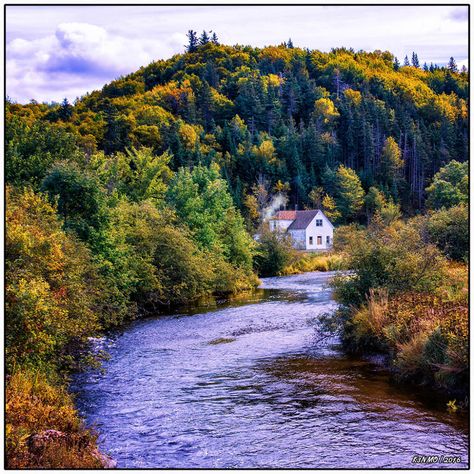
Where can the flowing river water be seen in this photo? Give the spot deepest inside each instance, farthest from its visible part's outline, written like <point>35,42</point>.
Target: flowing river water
<point>251,384</point>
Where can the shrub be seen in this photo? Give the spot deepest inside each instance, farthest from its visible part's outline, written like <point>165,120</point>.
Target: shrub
<point>449,230</point>
<point>274,253</point>
<point>395,257</point>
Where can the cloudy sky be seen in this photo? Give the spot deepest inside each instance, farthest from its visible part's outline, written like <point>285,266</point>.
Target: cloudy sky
<point>65,51</point>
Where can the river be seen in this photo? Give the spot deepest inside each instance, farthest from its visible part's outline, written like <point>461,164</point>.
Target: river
<point>251,384</point>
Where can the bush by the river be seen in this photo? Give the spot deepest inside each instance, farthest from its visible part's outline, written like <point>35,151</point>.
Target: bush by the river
<point>406,299</point>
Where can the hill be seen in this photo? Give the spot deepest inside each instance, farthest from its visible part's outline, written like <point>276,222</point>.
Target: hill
<point>280,117</point>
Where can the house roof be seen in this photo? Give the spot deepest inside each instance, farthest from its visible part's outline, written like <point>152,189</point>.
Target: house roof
<point>285,215</point>
<point>303,219</point>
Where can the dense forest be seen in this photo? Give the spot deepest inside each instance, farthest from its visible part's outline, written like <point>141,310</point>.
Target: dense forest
<point>146,194</point>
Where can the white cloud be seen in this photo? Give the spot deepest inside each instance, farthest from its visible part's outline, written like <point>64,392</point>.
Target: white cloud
<point>78,57</point>
<point>66,51</point>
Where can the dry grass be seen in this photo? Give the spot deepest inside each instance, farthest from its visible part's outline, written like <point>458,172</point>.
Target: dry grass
<point>427,334</point>
<point>313,262</point>
<point>34,405</point>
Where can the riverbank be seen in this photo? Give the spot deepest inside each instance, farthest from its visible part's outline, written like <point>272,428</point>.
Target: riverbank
<point>303,262</point>
<point>406,300</point>
<point>43,427</point>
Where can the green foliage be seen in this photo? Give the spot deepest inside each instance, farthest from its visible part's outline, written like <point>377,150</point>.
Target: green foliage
<point>184,270</point>
<point>449,230</point>
<point>450,186</point>
<point>274,253</point>
<point>202,201</point>
<point>394,257</point>
<point>51,298</point>
<point>349,192</point>
<point>31,149</point>
<point>137,173</point>
<point>80,200</point>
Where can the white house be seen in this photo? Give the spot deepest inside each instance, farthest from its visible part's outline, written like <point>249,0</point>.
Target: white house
<point>310,230</point>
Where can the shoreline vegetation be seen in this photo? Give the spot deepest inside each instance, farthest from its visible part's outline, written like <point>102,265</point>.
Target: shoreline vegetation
<point>404,299</point>
<point>144,195</point>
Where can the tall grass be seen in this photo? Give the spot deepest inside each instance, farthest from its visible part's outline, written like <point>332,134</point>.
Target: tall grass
<point>312,262</point>
<point>425,334</point>
<point>35,404</point>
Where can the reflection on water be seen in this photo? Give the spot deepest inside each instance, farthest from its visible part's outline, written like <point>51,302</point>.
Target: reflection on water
<point>250,384</point>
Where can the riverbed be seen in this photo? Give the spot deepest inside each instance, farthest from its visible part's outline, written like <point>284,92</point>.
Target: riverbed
<point>253,384</point>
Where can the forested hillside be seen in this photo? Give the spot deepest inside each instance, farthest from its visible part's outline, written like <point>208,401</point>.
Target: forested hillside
<point>277,119</point>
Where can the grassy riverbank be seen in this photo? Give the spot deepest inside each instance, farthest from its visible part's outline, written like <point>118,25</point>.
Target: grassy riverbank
<point>407,300</point>
<point>275,256</point>
<point>314,262</point>
<point>43,428</point>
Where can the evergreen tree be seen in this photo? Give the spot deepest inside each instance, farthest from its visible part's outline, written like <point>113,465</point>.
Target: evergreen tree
<point>214,38</point>
<point>406,62</point>
<point>204,39</point>
<point>414,60</point>
<point>452,66</point>
<point>396,64</point>
<point>289,44</point>
<point>65,110</point>
<point>349,193</point>
<point>193,41</point>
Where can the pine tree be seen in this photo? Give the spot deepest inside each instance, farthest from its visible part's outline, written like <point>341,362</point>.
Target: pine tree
<point>349,193</point>
<point>414,60</point>
<point>425,67</point>
<point>214,38</point>
<point>204,39</point>
<point>406,62</point>
<point>289,44</point>
<point>452,66</point>
<point>65,110</point>
<point>193,41</point>
<point>396,64</point>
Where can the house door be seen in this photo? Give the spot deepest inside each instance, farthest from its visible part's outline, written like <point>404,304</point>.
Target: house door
<point>320,240</point>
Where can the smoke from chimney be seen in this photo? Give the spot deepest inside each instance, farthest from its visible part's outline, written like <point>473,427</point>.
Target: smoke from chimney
<point>276,203</point>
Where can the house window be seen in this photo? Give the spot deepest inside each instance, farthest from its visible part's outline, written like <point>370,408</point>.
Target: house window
<point>319,222</point>
<point>320,240</point>
<point>311,240</point>
<point>328,239</point>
